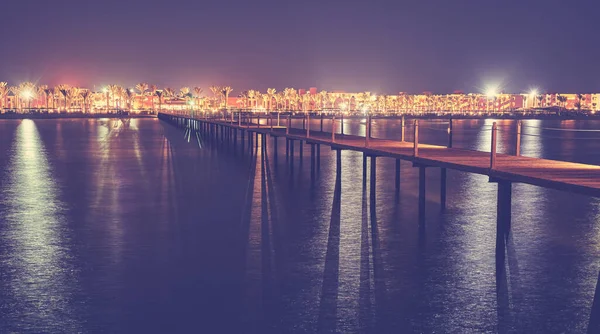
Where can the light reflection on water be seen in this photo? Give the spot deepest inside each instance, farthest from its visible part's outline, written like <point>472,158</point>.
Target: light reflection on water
<point>39,281</point>
<point>132,227</point>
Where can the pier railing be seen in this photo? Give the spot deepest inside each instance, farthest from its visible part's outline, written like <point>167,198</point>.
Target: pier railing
<point>409,129</point>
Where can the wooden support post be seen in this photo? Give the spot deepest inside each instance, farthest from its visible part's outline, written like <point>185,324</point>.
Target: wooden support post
<point>304,123</point>
<point>321,122</point>
<point>242,137</point>
<point>258,120</point>
<point>364,168</point>
<point>250,138</point>
<point>518,150</point>
<point>416,139</point>
<point>278,118</point>
<point>312,159</point>
<point>373,178</point>
<point>289,124</point>
<point>397,175</point>
<point>342,124</point>
<point>450,133</point>
<point>239,119</point>
<point>443,189</point>
<point>402,128</point>
<point>271,122</point>
<point>333,129</point>
<point>318,156</point>
<point>421,194</point>
<point>367,131</point>
<point>307,125</point>
<point>493,150</point>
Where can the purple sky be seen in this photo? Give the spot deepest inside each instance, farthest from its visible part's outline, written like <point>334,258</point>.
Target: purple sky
<point>380,46</point>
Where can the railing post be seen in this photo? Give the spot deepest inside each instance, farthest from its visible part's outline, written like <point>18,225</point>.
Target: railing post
<point>518,152</point>
<point>416,139</point>
<point>450,133</point>
<point>278,118</point>
<point>493,151</point>
<point>367,131</point>
<point>258,120</point>
<point>289,124</point>
<point>402,128</point>
<point>239,119</point>
<point>333,129</point>
<point>307,125</point>
<point>271,121</point>
<point>321,122</point>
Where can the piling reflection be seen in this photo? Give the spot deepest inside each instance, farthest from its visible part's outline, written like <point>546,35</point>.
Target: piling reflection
<point>594,323</point>
<point>329,291</point>
<point>366,319</point>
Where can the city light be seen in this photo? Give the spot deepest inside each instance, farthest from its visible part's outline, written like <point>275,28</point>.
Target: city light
<point>151,99</point>
<point>27,94</point>
<point>491,92</point>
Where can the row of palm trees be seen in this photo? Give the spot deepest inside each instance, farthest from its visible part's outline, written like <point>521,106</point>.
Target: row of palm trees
<point>147,97</point>
<point>112,97</point>
<point>561,101</point>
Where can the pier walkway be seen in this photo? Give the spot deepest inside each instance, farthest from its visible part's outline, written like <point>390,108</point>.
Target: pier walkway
<point>503,169</point>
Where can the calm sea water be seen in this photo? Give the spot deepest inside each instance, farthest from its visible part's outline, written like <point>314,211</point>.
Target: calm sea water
<point>135,226</point>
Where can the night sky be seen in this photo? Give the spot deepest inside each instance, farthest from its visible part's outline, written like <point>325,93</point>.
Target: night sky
<point>379,46</point>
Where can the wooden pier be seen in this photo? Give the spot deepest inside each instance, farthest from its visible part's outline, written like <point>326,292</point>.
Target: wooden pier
<point>503,169</point>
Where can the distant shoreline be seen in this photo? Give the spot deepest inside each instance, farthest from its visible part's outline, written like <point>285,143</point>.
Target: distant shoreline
<point>313,116</point>
<point>434,116</point>
<point>71,115</point>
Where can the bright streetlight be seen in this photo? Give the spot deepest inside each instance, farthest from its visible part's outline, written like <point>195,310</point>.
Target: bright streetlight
<point>491,92</point>
<point>28,95</point>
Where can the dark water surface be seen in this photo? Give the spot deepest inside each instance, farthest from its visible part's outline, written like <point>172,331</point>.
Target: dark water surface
<point>116,226</point>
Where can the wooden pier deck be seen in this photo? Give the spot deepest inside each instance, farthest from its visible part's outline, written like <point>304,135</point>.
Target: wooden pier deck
<point>560,175</point>
<point>566,176</point>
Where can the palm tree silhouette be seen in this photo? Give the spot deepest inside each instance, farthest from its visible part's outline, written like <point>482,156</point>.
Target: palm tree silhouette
<point>225,91</point>
<point>63,90</point>
<point>85,94</point>
<point>580,99</point>
<point>198,91</point>
<point>216,90</point>
<point>271,92</point>
<point>159,94</point>
<point>3,94</point>
<point>153,89</point>
<point>130,95</point>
